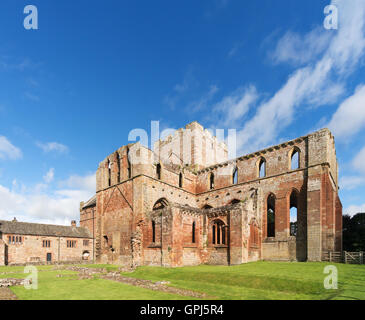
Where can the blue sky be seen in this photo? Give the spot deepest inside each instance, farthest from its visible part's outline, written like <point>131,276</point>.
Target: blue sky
<point>71,91</point>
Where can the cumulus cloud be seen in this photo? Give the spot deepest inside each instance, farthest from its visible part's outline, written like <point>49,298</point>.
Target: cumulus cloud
<point>308,85</point>
<point>354,209</point>
<point>53,147</point>
<point>49,176</point>
<point>300,49</point>
<point>8,150</point>
<point>41,205</point>
<point>359,161</point>
<point>349,118</point>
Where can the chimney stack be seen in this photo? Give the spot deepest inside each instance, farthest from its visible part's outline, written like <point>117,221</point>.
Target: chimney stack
<point>73,223</point>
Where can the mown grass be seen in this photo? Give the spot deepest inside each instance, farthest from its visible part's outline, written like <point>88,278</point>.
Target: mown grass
<point>68,287</point>
<point>262,280</point>
<point>258,280</point>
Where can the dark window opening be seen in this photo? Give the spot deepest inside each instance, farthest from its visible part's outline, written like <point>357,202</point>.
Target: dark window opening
<point>193,233</point>
<point>218,232</point>
<point>158,171</point>
<point>118,165</point>
<point>180,180</point>
<point>211,181</point>
<point>153,231</point>
<point>129,168</point>
<point>271,216</point>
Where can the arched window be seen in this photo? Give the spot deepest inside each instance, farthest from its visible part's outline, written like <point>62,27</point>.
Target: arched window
<point>153,231</point>
<point>180,180</point>
<point>211,181</point>
<point>158,171</point>
<point>235,176</point>
<point>294,213</point>
<point>262,168</point>
<point>160,204</point>
<point>235,201</point>
<point>294,159</point>
<point>271,216</point>
<point>129,168</point>
<point>218,232</point>
<point>109,173</point>
<point>193,233</point>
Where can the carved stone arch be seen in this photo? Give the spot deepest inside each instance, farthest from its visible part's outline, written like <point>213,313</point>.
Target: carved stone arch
<point>160,204</point>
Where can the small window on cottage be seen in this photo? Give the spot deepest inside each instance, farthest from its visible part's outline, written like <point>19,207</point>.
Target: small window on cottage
<point>71,243</point>
<point>86,243</point>
<point>9,238</point>
<point>46,243</point>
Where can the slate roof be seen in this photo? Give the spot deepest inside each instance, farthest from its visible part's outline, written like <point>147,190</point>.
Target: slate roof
<point>37,229</point>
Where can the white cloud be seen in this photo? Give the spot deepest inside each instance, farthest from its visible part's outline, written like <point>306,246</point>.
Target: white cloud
<point>300,49</point>
<point>349,118</point>
<point>49,176</point>
<point>359,161</point>
<point>351,182</point>
<point>354,209</point>
<point>8,150</point>
<point>309,85</point>
<point>203,101</point>
<point>53,146</point>
<point>237,104</point>
<point>38,204</point>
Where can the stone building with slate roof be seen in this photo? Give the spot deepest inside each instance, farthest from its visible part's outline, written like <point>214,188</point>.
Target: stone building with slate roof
<point>25,243</point>
<point>185,203</point>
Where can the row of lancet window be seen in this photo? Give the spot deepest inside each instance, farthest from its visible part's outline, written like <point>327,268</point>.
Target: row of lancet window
<point>119,179</point>
<point>270,218</point>
<point>15,239</point>
<point>294,165</point>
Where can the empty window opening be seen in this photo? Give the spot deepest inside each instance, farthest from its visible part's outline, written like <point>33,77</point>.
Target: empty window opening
<point>211,181</point>
<point>180,180</point>
<point>218,232</point>
<point>109,173</point>
<point>295,160</point>
<point>118,165</point>
<point>129,168</point>
<point>235,201</point>
<point>271,216</point>
<point>294,214</point>
<point>193,233</point>
<point>153,231</point>
<point>235,176</point>
<point>158,171</point>
<point>262,168</point>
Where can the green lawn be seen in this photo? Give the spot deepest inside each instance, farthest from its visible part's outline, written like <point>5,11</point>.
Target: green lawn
<point>262,280</point>
<point>258,280</point>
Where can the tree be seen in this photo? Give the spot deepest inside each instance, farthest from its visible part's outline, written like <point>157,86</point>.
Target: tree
<point>354,232</point>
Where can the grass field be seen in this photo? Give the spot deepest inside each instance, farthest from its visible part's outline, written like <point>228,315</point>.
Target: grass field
<point>258,280</point>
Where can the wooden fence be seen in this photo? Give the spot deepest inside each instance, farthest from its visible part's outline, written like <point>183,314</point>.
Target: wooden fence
<point>344,257</point>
